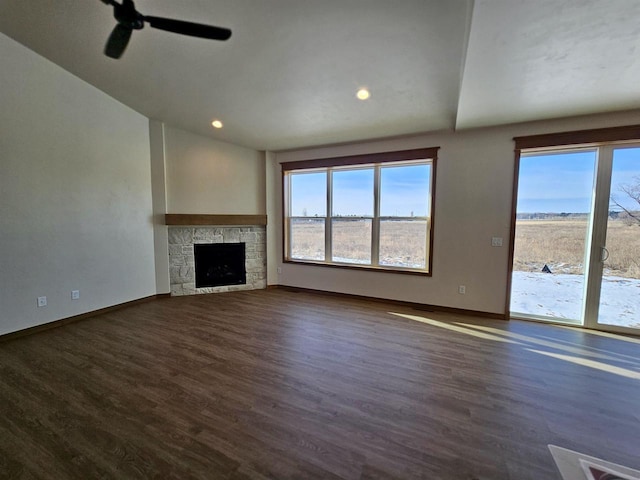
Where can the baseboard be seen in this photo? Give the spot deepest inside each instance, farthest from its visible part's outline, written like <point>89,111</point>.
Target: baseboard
<point>76,318</point>
<point>416,306</point>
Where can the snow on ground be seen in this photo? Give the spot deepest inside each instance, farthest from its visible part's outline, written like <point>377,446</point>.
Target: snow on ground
<point>560,295</point>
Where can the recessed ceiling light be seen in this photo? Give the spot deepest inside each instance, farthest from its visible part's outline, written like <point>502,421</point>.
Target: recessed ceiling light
<point>363,94</point>
<point>216,124</point>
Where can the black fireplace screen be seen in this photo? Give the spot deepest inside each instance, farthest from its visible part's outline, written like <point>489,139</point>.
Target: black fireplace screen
<point>219,264</point>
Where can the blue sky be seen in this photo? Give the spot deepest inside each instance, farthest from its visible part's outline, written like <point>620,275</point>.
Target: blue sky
<point>308,194</point>
<point>552,183</point>
<point>556,183</point>
<point>404,191</point>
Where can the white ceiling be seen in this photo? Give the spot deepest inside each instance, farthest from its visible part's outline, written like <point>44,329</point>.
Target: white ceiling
<point>287,77</point>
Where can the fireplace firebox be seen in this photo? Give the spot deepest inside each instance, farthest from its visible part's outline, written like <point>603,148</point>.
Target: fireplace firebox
<point>219,264</point>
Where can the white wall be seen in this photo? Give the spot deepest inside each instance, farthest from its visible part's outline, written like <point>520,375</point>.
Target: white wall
<point>473,203</point>
<point>75,194</point>
<point>205,176</point>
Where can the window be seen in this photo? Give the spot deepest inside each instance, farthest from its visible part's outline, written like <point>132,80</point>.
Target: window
<point>370,211</point>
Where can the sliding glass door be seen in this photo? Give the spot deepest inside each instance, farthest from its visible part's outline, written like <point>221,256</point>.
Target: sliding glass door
<point>555,198</point>
<point>577,237</point>
<point>613,301</point>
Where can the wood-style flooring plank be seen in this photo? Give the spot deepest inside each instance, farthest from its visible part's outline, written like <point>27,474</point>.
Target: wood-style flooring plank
<point>273,384</point>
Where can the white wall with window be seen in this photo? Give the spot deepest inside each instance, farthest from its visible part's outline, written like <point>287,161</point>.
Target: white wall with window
<point>473,203</point>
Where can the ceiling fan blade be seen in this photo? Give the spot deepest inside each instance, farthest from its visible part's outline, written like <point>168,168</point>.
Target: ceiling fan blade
<point>189,28</point>
<point>118,41</point>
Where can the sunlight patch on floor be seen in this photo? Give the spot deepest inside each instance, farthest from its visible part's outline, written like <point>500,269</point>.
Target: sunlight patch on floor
<point>455,328</point>
<point>526,341</point>
<point>550,344</point>
<point>624,372</point>
<point>598,333</point>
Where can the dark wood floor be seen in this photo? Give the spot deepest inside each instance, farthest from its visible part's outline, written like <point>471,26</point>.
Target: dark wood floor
<point>276,384</point>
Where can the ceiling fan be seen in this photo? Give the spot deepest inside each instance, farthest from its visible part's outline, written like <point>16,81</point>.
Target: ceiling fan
<point>129,19</point>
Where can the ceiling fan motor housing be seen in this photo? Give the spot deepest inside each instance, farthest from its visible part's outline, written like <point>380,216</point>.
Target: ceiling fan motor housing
<point>127,15</point>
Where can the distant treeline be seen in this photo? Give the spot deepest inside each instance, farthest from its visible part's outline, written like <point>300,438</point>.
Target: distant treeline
<point>563,215</point>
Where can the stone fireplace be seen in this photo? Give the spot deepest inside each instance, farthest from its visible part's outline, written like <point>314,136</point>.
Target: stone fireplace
<point>182,266</point>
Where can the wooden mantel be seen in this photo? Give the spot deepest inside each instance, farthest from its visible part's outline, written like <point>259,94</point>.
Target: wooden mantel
<point>217,220</point>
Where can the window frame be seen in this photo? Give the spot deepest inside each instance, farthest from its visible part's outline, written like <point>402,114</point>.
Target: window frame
<point>376,161</point>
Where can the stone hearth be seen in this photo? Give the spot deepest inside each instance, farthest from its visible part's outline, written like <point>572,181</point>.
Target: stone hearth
<point>182,264</point>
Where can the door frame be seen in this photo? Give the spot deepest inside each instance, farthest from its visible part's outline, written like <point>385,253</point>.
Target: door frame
<point>606,140</point>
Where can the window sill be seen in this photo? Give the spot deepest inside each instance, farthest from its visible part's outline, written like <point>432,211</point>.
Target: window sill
<point>368,268</point>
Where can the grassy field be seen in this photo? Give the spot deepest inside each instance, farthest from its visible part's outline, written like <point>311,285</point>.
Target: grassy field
<point>402,243</point>
<point>558,243</point>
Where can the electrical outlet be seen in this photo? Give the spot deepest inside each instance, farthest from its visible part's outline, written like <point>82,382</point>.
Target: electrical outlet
<point>496,241</point>
<point>75,294</point>
<point>42,301</point>
<point>462,289</point>
<point>279,270</point>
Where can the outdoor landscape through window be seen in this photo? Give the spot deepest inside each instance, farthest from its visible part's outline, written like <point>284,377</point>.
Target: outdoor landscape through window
<point>389,231</point>
<point>552,224</point>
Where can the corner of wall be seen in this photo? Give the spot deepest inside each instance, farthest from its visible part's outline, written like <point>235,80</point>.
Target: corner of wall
<point>274,229</point>
<point>159,199</point>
